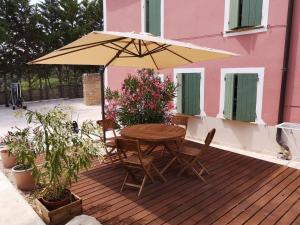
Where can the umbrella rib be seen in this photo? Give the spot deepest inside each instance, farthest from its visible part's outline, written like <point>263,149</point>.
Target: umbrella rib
<point>65,53</point>
<point>150,55</point>
<point>136,49</point>
<point>155,50</point>
<point>165,48</point>
<point>118,53</point>
<point>94,43</point>
<point>125,50</point>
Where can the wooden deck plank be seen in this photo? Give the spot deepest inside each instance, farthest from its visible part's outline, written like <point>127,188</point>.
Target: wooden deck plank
<point>239,190</point>
<point>117,194</point>
<point>157,204</point>
<point>291,216</point>
<point>259,203</point>
<point>282,208</point>
<point>177,181</point>
<point>250,200</point>
<point>202,203</point>
<point>221,209</point>
<point>274,203</point>
<point>210,211</point>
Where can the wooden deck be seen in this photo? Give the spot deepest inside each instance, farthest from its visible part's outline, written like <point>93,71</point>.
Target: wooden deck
<point>240,190</point>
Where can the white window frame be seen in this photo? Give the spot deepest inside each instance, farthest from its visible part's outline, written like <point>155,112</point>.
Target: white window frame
<point>264,21</point>
<point>202,82</point>
<point>104,15</point>
<point>162,16</point>
<point>259,93</point>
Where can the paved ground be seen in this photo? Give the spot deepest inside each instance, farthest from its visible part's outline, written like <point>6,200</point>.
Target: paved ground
<point>81,112</point>
<point>14,208</point>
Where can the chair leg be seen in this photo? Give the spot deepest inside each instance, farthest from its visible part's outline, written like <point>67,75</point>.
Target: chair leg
<point>199,174</point>
<point>149,174</point>
<point>159,174</point>
<point>203,167</point>
<point>124,182</point>
<point>142,185</point>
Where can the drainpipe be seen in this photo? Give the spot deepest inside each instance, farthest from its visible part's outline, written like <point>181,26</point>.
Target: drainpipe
<point>284,78</point>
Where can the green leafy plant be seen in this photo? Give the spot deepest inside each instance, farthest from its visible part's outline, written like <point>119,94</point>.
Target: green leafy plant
<point>65,152</point>
<point>18,144</point>
<point>143,98</point>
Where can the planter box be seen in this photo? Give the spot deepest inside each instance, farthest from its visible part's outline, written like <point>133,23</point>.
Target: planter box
<point>61,215</point>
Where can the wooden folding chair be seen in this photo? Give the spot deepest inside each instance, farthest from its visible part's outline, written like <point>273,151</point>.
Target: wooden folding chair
<point>180,120</point>
<point>110,143</point>
<point>136,161</point>
<point>190,157</point>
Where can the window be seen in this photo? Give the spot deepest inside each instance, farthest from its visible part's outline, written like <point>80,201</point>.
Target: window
<point>240,97</point>
<point>153,17</point>
<point>245,16</point>
<point>245,13</point>
<point>188,93</point>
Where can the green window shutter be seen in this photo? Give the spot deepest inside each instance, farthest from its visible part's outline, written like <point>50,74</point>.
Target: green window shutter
<point>229,96</point>
<point>191,93</point>
<point>234,13</point>
<point>251,13</point>
<point>179,93</point>
<point>246,97</point>
<point>153,17</point>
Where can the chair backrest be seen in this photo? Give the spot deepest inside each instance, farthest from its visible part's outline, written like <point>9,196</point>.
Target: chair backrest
<point>210,136</point>
<point>108,125</point>
<point>180,120</point>
<point>208,140</point>
<point>127,146</point>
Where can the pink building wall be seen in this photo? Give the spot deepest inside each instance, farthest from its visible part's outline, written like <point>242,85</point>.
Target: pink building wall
<point>292,106</point>
<point>201,22</point>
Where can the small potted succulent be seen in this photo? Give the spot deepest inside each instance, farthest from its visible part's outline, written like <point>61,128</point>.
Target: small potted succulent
<point>65,154</point>
<point>7,158</point>
<point>19,146</point>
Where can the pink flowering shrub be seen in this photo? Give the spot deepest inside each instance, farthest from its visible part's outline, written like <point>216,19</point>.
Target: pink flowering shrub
<point>143,98</point>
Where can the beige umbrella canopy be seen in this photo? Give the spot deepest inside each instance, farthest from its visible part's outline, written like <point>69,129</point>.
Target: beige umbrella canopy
<point>129,50</point>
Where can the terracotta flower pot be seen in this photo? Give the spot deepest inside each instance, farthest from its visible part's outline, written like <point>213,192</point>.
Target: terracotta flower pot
<point>8,160</point>
<point>51,205</point>
<point>23,178</point>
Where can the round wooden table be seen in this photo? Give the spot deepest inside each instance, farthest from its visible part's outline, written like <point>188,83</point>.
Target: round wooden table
<point>153,132</point>
<point>156,135</point>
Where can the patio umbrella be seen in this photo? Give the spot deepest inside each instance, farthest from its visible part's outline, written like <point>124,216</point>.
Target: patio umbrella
<point>129,50</point>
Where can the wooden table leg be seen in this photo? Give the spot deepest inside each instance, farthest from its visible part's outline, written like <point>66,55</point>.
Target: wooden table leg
<point>174,154</point>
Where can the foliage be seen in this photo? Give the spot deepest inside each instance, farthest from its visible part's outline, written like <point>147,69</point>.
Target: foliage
<point>18,144</point>
<point>29,31</point>
<point>143,98</point>
<point>65,152</point>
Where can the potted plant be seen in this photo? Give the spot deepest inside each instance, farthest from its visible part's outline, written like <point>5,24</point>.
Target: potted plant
<point>7,158</point>
<point>19,146</point>
<point>65,153</point>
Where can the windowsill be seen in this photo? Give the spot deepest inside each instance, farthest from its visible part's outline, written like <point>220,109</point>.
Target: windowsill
<point>245,30</point>
<point>257,122</point>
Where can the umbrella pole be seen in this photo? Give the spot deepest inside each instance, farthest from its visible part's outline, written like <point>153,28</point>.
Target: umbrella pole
<point>102,74</point>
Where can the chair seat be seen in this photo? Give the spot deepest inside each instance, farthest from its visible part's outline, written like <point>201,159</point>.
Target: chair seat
<point>191,151</point>
<point>134,159</point>
<point>111,142</point>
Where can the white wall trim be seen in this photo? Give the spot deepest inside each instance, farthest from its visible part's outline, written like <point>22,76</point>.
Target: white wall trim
<point>259,94</point>
<point>106,78</point>
<point>104,15</point>
<point>162,19</point>
<point>264,21</point>
<point>202,84</point>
